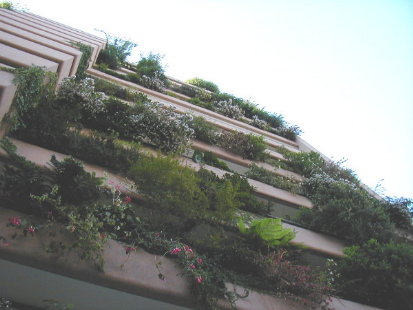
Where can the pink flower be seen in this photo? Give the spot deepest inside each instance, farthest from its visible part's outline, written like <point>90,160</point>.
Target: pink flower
<point>127,200</point>
<point>157,234</point>
<point>15,221</point>
<point>31,229</point>
<point>175,251</point>
<point>199,260</point>
<point>199,279</point>
<point>129,249</point>
<point>6,243</point>
<point>192,266</point>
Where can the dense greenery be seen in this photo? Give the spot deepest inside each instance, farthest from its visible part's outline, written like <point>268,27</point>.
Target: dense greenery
<point>84,60</point>
<point>33,85</point>
<point>116,52</point>
<point>204,84</point>
<point>377,274</point>
<point>69,195</point>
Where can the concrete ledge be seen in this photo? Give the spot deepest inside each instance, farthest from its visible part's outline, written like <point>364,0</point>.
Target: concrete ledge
<point>23,59</point>
<point>15,20</point>
<point>46,42</point>
<point>63,60</point>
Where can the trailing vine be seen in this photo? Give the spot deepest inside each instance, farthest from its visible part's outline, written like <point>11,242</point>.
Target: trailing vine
<point>84,60</point>
<point>33,85</point>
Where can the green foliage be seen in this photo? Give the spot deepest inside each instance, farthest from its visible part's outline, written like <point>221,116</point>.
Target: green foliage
<point>124,93</point>
<point>171,186</point>
<point>7,5</point>
<point>151,66</point>
<point>75,184</point>
<point>116,52</point>
<point>210,159</point>
<point>204,84</point>
<point>400,211</point>
<point>269,230</point>
<point>248,146</point>
<point>34,85</point>
<point>263,175</point>
<point>84,60</point>
<point>345,210</point>
<point>204,131</point>
<point>377,274</point>
<point>21,178</point>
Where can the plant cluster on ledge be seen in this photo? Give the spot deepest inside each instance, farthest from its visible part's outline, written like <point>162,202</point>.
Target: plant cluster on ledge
<point>181,207</point>
<point>149,72</point>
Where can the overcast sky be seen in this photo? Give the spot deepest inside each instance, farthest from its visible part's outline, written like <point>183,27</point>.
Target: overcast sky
<point>340,70</point>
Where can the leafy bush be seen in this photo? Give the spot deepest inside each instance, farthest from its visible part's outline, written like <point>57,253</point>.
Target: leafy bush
<point>345,210</point>
<point>229,109</point>
<point>75,184</point>
<point>34,85</point>
<point>248,146</point>
<point>204,84</point>
<point>204,131</point>
<point>7,5</point>
<point>116,52</point>
<point>171,186</point>
<point>400,211</point>
<point>377,274</point>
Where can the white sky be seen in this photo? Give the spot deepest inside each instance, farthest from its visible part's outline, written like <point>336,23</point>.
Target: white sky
<point>342,70</point>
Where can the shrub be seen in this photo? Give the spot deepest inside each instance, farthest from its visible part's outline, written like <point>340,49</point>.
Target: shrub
<point>344,210</point>
<point>34,86</point>
<point>204,131</point>
<point>171,186</point>
<point>229,109</point>
<point>151,67</point>
<point>400,211</point>
<point>377,274</point>
<point>248,146</point>
<point>204,84</point>
<point>116,52</point>
<point>75,184</point>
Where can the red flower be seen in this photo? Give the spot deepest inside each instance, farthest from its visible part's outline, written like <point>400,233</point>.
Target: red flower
<point>175,251</point>
<point>6,244</point>
<point>31,229</point>
<point>15,221</point>
<point>199,279</point>
<point>129,249</point>
<point>199,260</point>
<point>127,200</point>
<point>192,266</point>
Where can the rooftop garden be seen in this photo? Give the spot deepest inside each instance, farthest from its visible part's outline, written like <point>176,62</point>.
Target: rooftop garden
<point>215,227</point>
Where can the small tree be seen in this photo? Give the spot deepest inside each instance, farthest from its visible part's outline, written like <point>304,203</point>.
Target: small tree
<point>116,51</point>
